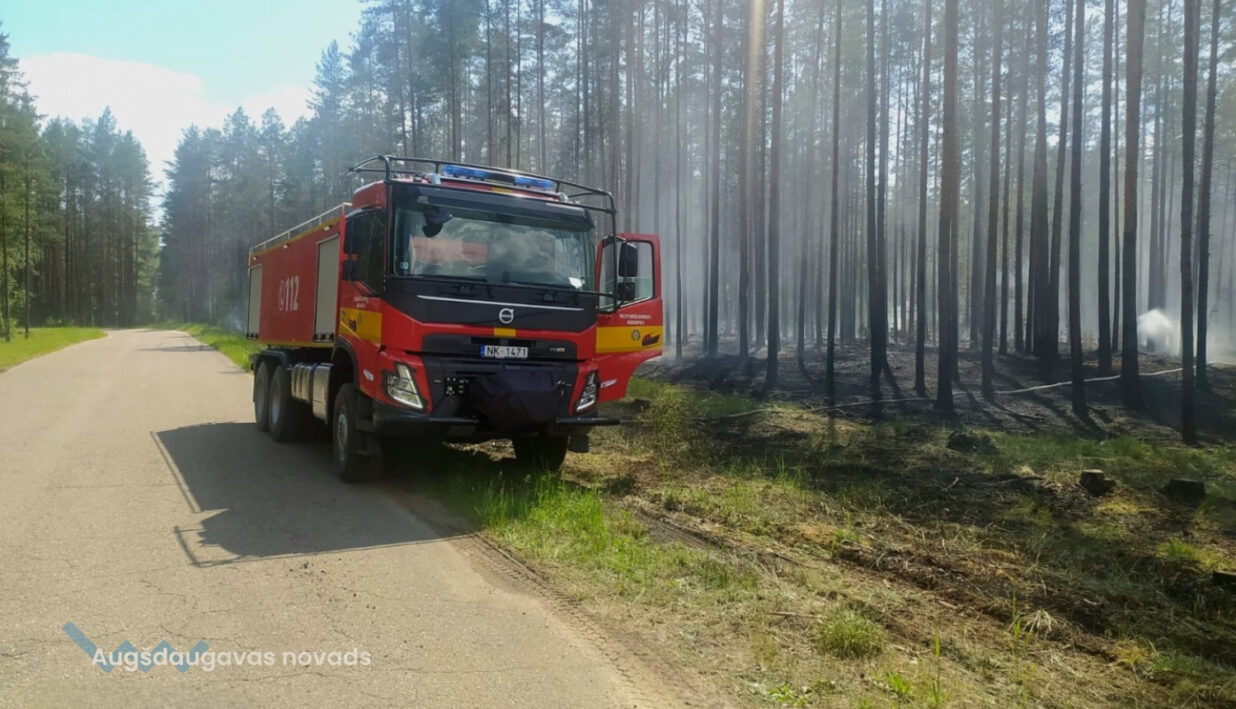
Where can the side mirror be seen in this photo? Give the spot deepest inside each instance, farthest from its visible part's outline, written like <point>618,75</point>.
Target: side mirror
<point>628,261</point>
<point>349,270</point>
<point>625,292</point>
<point>435,219</point>
<point>353,244</point>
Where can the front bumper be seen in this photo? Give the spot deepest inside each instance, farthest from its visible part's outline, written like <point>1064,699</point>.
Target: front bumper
<point>391,420</point>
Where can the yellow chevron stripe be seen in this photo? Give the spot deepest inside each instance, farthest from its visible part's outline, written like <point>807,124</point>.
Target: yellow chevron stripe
<point>627,338</point>
<point>365,324</point>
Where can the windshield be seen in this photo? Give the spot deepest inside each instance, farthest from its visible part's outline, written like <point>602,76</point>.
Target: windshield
<point>493,247</point>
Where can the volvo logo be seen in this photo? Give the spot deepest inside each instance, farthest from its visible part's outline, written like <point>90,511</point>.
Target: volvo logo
<point>506,316</point>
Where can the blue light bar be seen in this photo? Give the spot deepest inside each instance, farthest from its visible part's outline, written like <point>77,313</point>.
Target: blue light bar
<point>533,182</point>
<point>469,172</point>
<point>476,173</point>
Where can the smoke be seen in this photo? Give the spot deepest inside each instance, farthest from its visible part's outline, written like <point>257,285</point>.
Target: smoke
<point>1159,333</point>
<point>1156,332</point>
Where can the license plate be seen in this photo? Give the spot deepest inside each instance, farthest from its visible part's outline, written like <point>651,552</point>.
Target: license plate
<point>504,352</point>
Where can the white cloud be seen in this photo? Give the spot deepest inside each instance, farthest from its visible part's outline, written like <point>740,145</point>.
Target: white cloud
<point>157,104</point>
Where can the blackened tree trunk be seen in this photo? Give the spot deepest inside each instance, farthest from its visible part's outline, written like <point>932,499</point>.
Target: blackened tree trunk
<point>680,319</point>
<point>1019,342</point>
<point>1105,191</point>
<point>805,229</point>
<point>1203,204</point>
<point>714,221</point>
<point>874,314</point>
<point>774,215</point>
<point>1006,193</point>
<point>993,208</point>
<point>949,186</point>
<point>1188,414</point>
<point>879,336</point>
<point>830,382</point>
<point>1075,209</point>
<point>754,42</point>
<point>1129,382</point>
<point>1050,345</point>
<point>1116,204</point>
<point>1039,277</point>
<point>920,379</point>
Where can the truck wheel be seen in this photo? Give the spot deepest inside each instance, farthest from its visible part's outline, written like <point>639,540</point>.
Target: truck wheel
<point>261,397</point>
<point>540,452</point>
<point>284,412</point>
<point>347,442</point>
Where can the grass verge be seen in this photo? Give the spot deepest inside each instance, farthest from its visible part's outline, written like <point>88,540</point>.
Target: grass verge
<point>41,341</point>
<point>232,344</point>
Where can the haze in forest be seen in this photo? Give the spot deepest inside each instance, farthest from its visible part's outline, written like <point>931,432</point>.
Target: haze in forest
<point>894,173</point>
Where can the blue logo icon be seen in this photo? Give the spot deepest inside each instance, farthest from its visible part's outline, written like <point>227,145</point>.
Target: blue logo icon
<point>128,655</point>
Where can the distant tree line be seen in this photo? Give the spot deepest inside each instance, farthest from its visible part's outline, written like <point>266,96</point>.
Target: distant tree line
<point>77,243</point>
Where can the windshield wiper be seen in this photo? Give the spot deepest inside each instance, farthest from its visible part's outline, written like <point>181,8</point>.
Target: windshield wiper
<point>532,284</point>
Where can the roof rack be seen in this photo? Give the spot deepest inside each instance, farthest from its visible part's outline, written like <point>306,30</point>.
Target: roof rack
<point>393,166</point>
<point>283,237</point>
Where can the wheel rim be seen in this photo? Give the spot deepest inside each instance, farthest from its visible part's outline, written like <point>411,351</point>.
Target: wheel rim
<point>341,436</point>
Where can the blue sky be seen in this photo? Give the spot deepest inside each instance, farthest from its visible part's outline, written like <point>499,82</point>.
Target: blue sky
<point>164,65</point>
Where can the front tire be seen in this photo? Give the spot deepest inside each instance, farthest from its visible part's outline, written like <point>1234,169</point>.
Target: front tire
<point>540,452</point>
<point>261,397</point>
<point>351,464</point>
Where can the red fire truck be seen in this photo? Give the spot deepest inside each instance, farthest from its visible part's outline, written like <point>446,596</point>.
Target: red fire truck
<point>453,302</point>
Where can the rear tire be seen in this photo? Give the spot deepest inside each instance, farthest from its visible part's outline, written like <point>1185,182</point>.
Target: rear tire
<point>261,397</point>
<point>347,443</point>
<point>286,414</point>
<point>540,452</point>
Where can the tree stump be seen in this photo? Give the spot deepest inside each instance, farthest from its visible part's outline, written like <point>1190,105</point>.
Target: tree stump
<point>1096,482</point>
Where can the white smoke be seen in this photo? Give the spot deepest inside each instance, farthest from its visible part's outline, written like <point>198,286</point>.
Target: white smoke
<point>1156,332</point>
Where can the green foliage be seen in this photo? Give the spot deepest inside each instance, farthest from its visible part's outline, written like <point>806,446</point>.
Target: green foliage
<point>847,634</point>
<point>899,686</point>
<point>76,243</point>
<point>42,340</point>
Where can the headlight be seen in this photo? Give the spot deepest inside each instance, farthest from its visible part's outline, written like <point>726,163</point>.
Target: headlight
<point>401,386</point>
<point>588,398</point>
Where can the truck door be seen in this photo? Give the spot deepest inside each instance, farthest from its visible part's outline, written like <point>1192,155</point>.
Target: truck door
<point>632,332</point>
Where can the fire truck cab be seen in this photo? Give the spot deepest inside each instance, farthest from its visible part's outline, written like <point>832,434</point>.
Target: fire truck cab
<point>452,302</point>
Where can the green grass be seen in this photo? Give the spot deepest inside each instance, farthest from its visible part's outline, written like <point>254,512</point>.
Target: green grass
<point>848,634</point>
<point>231,344</point>
<point>548,519</point>
<point>701,403</point>
<point>1135,462</point>
<point>42,340</point>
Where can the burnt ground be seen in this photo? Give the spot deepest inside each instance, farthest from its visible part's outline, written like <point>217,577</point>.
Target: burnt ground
<point>1125,586</point>
<point>985,573</point>
<point>1042,410</point>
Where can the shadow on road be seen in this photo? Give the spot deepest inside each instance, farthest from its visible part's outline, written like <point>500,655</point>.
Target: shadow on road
<point>275,499</point>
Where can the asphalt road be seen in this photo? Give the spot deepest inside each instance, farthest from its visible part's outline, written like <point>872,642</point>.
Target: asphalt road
<point>139,504</point>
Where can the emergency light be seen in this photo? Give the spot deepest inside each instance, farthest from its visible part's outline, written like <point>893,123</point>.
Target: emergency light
<point>476,173</point>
